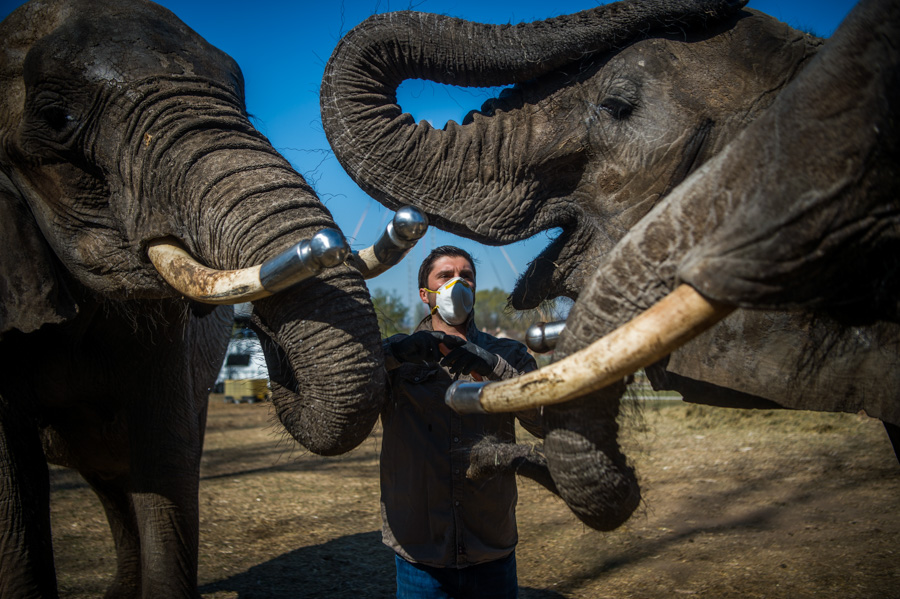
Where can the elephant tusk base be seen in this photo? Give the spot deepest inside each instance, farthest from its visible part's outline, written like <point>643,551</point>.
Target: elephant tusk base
<point>201,283</point>
<point>670,323</point>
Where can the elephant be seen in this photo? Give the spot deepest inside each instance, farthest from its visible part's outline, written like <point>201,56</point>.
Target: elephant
<point>124,140</point>
<point>677,147</point>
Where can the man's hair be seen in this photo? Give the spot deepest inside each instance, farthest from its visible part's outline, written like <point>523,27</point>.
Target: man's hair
<point>440,252</point>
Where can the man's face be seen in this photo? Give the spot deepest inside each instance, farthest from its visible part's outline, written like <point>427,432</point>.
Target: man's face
<point>444,269</point>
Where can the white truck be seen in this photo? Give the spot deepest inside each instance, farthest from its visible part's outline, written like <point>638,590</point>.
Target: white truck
<point>243,376</point>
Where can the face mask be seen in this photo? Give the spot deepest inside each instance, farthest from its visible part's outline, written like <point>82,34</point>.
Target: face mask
<point>454,301</point>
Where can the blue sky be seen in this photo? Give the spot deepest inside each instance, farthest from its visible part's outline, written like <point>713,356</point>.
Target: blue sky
<point>282,47</point>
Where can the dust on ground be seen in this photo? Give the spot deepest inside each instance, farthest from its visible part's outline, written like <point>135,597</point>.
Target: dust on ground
<point>737,504</point>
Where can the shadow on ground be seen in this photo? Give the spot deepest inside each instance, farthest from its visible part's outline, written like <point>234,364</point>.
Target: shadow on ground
<point>330,570</point>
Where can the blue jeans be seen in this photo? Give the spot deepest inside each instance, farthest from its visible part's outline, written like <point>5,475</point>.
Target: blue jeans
<point>493,580</point>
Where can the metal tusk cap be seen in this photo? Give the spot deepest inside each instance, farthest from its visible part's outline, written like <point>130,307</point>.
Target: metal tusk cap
<point>307,258</point>
<point>399,236</point>
<point>328,248</point>
<point>410,224</point>
<point>542,337</point>
<point>405,229</point>
<point>465,398</point>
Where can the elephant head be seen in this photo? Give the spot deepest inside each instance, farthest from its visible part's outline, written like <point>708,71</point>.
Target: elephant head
<point>121,130</point>
<point>587,142</point>
<point>614,110</point>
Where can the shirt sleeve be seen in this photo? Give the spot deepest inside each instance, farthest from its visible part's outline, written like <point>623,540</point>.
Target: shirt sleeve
<point>522,362</point>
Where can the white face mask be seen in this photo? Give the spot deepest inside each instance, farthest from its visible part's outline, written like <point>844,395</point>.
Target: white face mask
<point>454,301</point>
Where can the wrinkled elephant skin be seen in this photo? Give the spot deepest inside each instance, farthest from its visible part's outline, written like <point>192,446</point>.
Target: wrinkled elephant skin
<point>120,126</point>
<point>669,142</point>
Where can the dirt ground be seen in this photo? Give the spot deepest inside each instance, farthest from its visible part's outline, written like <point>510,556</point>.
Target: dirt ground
<point>737,504</point>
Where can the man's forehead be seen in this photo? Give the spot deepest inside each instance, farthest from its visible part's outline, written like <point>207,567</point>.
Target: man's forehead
<point>451,263</point>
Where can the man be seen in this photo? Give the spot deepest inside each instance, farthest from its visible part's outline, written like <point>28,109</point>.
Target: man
<point>453,537</point>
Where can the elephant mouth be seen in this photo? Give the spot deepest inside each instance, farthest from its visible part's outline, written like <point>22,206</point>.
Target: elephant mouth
<point>537,283</point>
<point>558,271</point>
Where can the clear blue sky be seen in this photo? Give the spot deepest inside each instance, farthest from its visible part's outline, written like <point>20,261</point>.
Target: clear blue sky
<point>282,47</point>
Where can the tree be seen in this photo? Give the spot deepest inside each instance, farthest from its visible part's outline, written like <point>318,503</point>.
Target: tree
<point>392,313</point>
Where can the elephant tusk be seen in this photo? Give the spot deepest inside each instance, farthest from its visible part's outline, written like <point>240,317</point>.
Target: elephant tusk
<point>326,249</point>
<point>542,337</point>
<point>670,323</point>
<point>401,234</point>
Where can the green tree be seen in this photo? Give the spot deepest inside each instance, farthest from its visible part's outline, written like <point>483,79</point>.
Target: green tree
<point>419,311</point>
<point>393,314</point>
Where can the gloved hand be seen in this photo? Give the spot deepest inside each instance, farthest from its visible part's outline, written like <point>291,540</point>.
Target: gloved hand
<point>466,358</point>
<point>419,347</point>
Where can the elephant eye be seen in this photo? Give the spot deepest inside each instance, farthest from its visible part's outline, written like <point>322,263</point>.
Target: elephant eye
<point>55,116</point>
<point>619,108</point>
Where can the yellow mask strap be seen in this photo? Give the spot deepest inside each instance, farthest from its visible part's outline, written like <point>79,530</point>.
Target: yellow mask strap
<point>433,310</point>
<point>451,285</point>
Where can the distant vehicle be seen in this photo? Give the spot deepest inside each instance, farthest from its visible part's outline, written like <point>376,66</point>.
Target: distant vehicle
<point>243,376</point>
<point>246,390</point>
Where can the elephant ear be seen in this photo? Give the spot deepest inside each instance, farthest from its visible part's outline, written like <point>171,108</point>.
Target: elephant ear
<point>32,293</point>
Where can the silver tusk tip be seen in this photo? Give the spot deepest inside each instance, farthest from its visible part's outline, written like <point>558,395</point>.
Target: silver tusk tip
<point>465,398</point>
<point>542,337</point>
<point>410,223</point>
<point>329,248</point>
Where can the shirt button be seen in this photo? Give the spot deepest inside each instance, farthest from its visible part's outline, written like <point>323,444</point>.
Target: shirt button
<point>456,471</point>
<point>455,503</point>
<point>456,439</point>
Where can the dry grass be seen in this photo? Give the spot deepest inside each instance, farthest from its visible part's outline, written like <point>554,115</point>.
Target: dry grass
<point>737,504</point>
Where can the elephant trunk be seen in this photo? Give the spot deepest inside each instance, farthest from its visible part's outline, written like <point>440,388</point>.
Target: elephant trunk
<point>590,472</point>
<point>462,168</point>
<point>322,348</point>
<point>238,203</point>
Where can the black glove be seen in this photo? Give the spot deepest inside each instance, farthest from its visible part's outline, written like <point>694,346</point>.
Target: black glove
<point>419,347</point>
<point>467,357</point>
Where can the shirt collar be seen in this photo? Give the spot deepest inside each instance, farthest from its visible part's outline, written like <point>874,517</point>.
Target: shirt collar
<point>471,329</point>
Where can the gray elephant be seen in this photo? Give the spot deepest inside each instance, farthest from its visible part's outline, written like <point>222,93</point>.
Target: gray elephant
<point>671,142</point>
<point>120,131</point>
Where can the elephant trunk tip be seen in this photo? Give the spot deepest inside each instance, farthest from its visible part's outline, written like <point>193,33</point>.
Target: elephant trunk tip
<point>599,487</point>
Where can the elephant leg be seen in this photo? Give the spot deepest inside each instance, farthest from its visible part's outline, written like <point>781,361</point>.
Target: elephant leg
<point>26,548</point>
<point>119,508</point>
<point>167,519</point>
<point>893,432</point>
<point>164,485</point>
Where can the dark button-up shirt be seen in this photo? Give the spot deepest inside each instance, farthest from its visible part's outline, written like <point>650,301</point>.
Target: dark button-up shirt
<point>431,513</point>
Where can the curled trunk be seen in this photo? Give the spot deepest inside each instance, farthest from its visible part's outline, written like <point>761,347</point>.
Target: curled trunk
<point>512,148</point>
<point>587,465</point>
<point>324,360</point>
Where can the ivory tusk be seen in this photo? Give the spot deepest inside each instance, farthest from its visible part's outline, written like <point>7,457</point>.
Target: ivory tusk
<point>655,333</point>
<point>326,249</point>
<point>542,337</point>
<point>401,234</point>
